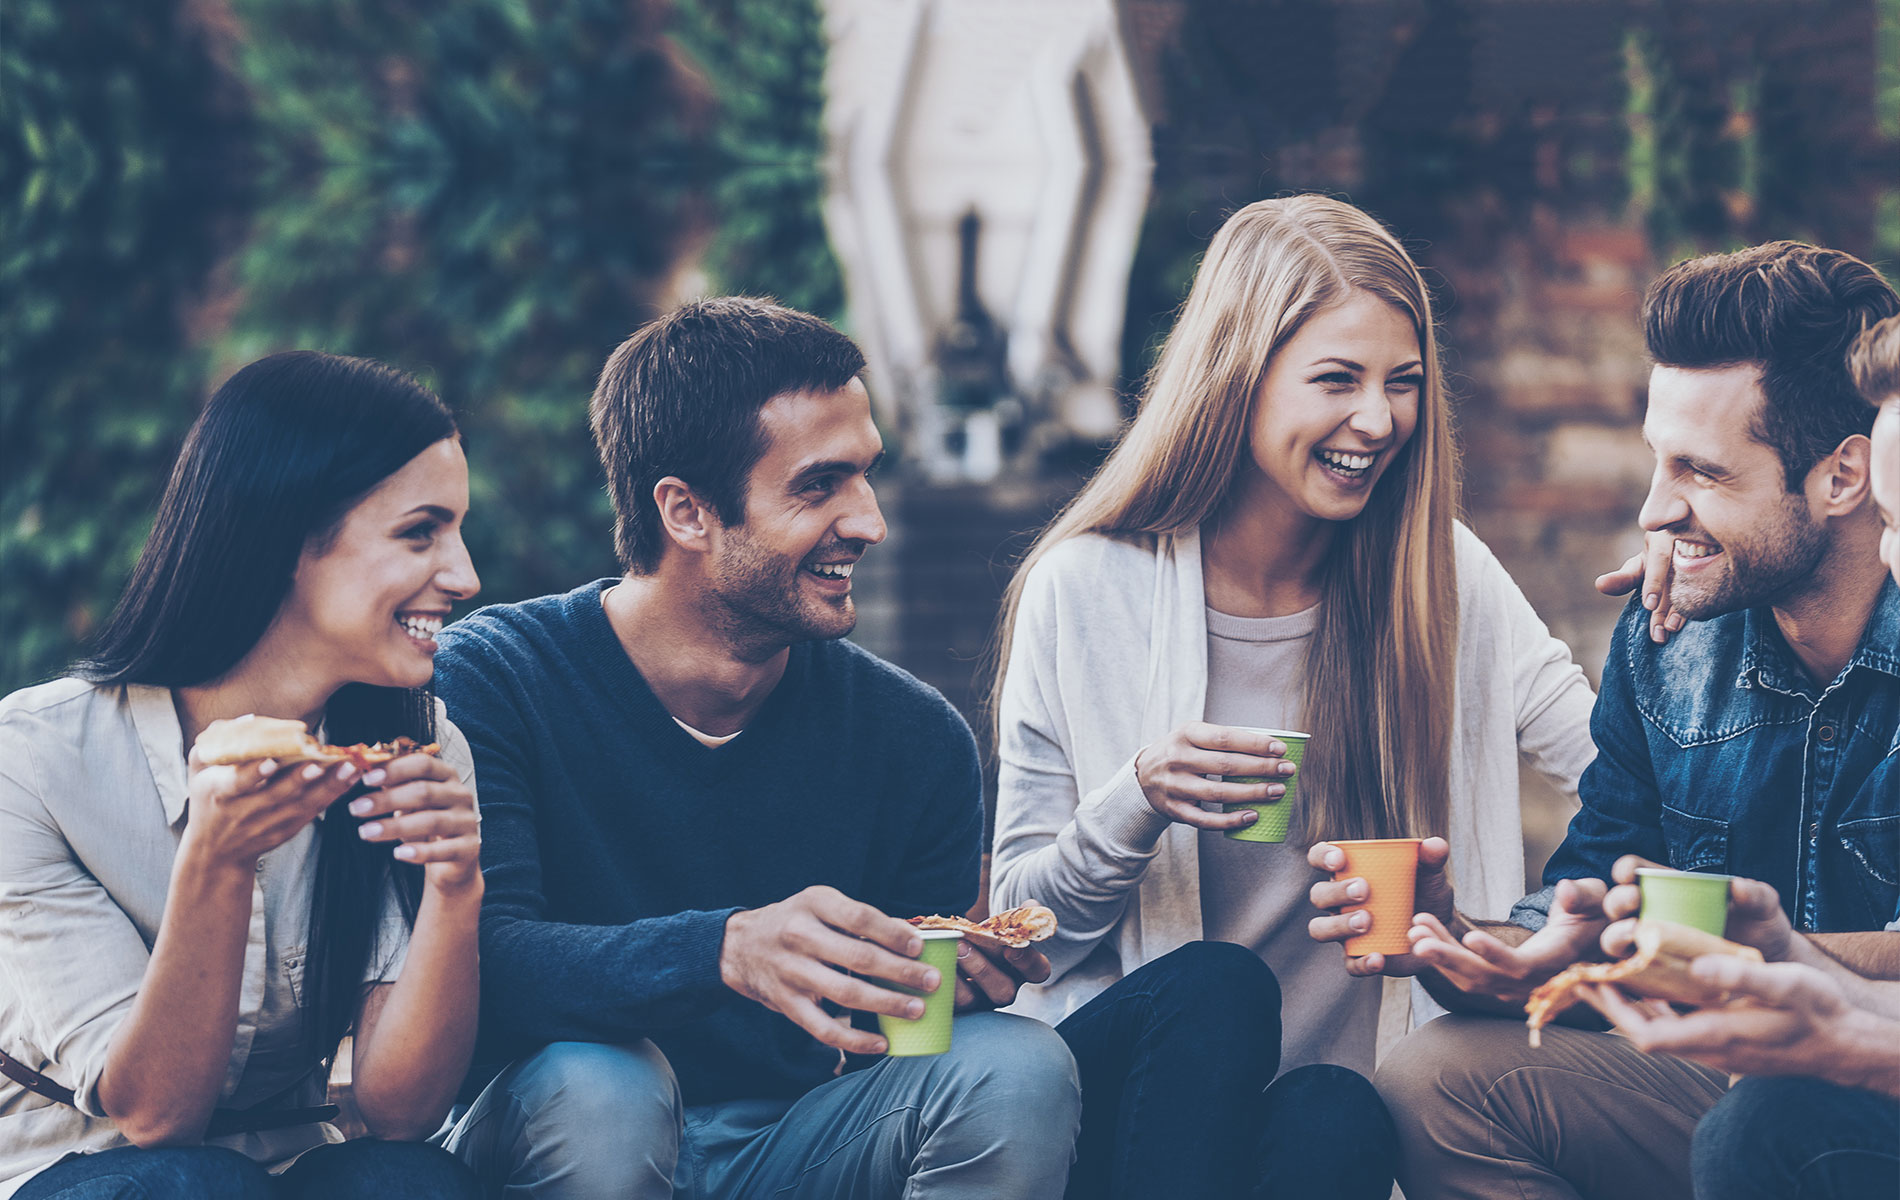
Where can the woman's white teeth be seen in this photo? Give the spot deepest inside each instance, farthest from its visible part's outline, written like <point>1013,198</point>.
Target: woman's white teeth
<point>1695,549</point>
<point>421,627</point>
<point>833,570</point>
<point>1351,464</point>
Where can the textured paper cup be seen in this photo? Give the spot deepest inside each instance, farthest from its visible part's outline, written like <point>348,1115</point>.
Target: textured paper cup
<point>1276,816</point>
<point>930,1033</point>
<point>1390,868</point>
<point>1686,897</point>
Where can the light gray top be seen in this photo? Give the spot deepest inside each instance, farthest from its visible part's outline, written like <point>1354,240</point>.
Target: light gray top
<point>1254,894</point>
<point>1109,653</point>
<point>92,807</point>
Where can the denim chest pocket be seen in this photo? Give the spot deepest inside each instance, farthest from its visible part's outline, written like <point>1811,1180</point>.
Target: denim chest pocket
<point>291,963</point>
<point>1874,846</point>
<point>1695,842</point>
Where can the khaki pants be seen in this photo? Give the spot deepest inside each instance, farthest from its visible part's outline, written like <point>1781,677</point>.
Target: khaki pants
<point>1482,1116</point>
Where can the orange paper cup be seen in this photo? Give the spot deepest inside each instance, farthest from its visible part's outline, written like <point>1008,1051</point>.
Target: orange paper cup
<point>1390,868</point>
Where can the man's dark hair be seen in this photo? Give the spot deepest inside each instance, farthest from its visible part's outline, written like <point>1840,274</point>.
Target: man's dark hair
<point>1874,362</point>
<point>1789,308</point>
<point>682,397</point>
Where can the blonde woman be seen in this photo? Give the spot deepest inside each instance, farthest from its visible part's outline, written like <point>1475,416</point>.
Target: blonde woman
<point>1273,545</point>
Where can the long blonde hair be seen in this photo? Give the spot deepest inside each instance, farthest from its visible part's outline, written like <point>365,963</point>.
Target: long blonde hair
<point>1380,673</point>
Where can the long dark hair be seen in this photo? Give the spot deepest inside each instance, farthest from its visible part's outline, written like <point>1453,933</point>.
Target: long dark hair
<point>278,457</point>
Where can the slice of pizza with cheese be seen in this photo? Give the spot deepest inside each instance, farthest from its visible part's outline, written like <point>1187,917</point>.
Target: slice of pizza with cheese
<point>1018,927</point>
<point>1657,970</point>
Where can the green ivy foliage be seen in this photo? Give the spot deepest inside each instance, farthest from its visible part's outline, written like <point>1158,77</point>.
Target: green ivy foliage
<point>765,60</point>
<point>489,194</point>
<point>118,147</point>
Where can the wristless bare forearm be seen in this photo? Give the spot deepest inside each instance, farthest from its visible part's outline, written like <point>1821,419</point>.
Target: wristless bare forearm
<point>168,1059</point>
<point>1869,955</point>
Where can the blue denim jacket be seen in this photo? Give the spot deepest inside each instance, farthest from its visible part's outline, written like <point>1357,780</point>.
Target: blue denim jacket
<point>1717,753</point>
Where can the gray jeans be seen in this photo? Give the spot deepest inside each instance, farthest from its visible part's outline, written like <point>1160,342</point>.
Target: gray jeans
<point>995,1118</point>
<point>1482,1116</point>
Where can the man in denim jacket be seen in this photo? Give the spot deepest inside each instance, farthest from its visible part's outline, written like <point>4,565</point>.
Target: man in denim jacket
<point>1763,740</point>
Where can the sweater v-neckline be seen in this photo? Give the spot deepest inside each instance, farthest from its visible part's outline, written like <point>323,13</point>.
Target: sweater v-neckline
<point>643,707</point>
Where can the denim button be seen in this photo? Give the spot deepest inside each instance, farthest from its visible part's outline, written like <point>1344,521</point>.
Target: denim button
<point>1826,733</point>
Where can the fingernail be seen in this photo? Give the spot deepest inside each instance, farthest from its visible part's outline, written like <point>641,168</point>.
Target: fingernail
<point>932,978</point>
<point>371,830</point>
<point>267,767</point>
<point>880,1046</point>
<point>914,947</point>
<point>405,851</point>
<point>372,778</point>
<point>1287,768</point>
<point>1356,890</point>
<point>914,1009</point>
<point>1650,599</point>
<point>360,807</point>
<point>1360,921</point>
<point>1276,748</point>
<point>963,949</point>
<point>1276,790</point>
<point>313,771</point>
<point>345,771</point>
<point>1674,623</point>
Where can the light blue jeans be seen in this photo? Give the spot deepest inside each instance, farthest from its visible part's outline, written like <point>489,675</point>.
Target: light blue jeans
<point>994,1119</point>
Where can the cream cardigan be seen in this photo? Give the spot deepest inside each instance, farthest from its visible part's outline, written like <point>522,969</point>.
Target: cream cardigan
<point>1110,654</point>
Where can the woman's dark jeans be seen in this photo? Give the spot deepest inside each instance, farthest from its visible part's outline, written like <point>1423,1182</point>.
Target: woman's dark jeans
<point>365,1169</point>
<point>1175,1061</point>
<point>1781,1138</point>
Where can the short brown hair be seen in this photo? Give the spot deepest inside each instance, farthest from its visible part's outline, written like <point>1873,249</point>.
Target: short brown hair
<point>682,397</point>
<point>1874,362</point>
<point>1791,310</point>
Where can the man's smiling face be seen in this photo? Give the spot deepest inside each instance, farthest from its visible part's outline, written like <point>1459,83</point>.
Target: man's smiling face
<point>783,574</point>
<point>1742,538</point>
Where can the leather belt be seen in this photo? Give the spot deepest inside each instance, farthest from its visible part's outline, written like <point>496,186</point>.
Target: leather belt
<point>224,1121</point>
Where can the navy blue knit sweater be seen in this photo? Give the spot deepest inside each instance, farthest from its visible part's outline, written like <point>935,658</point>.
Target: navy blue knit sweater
<point>615,845</point>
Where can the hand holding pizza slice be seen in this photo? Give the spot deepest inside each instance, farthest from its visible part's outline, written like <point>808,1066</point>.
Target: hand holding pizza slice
<point>1001,954</point>
<point>1658,970</point>
<point>252,738</point>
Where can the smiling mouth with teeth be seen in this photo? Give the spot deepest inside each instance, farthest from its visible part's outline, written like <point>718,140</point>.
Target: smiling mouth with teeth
<point>421,628</point>
<point>831,570</point>
<point>1350,465</point>
<point>1695,549</point>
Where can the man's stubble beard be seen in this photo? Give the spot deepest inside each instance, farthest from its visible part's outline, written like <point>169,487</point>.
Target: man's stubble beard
<point>756,599</point>
<point>1766,569</point>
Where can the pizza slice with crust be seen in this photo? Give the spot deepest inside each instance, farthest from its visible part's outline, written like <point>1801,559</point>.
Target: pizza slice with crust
<point>1014,929</point>
<point>1658,970</point>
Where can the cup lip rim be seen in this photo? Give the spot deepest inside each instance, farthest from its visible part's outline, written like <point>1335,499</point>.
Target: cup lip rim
<point>939,935</point>
<point>1673,873</point>
<point>1279,733</point>
<point>1372,841</point>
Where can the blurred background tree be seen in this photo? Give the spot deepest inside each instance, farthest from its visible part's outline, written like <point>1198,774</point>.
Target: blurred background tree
<point>493,193</point>
<point>125,179</point>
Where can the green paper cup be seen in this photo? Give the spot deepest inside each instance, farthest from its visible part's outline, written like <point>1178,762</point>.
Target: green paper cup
<point>1276,816</point>
<point>1690,898</point>
<point>930,1033</point>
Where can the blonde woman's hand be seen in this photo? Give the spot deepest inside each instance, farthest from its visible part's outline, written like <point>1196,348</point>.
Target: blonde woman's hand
<point>1653,570</point>
<point>239,813</point>
<point>1173,773</point>
<point>417,801</point>
<point>1433,896</point>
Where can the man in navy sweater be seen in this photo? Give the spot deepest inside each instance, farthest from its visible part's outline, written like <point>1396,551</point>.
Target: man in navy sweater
<point>705,815</point>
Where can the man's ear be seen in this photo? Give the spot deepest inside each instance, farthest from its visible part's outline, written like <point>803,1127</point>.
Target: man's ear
<point>1842,482</point>
<point>686,519</point>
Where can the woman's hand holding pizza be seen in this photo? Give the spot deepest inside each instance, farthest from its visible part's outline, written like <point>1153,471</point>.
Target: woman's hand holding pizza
<point>241,811</point>
<point>418,802</point>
